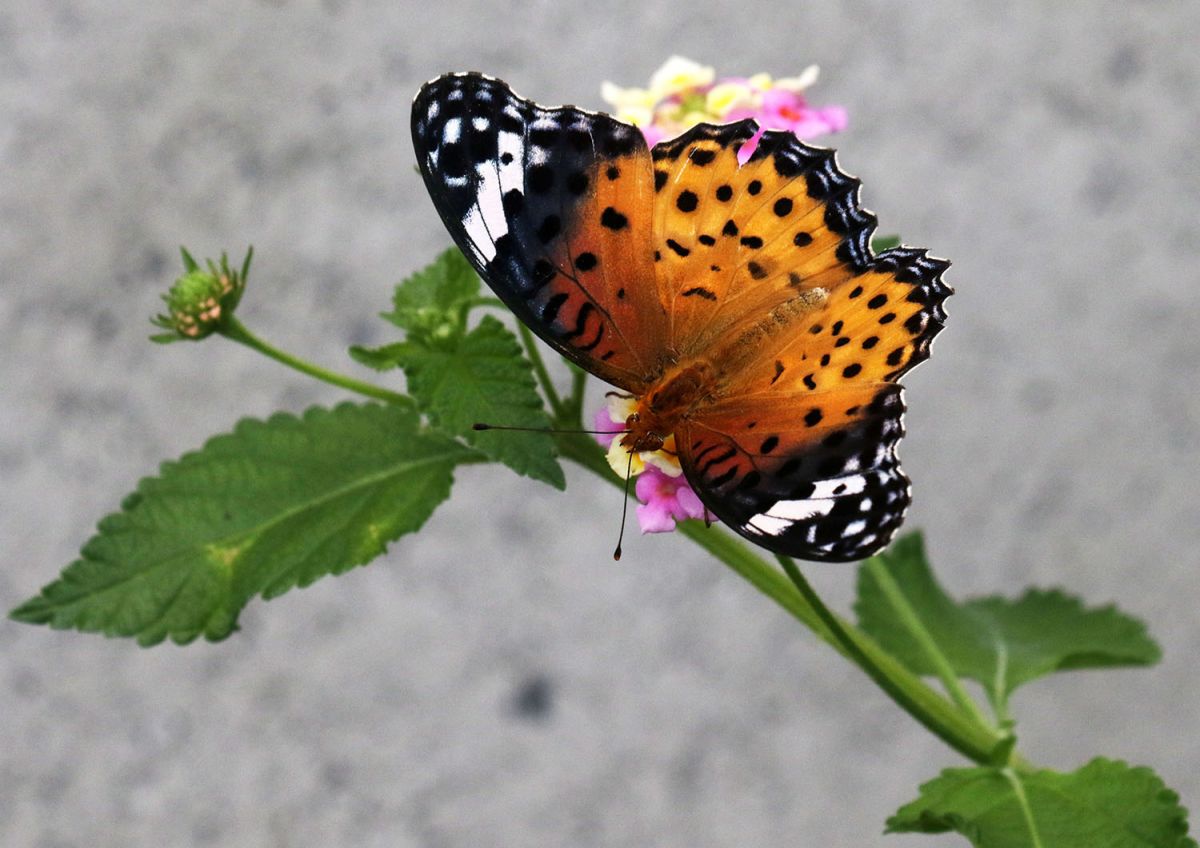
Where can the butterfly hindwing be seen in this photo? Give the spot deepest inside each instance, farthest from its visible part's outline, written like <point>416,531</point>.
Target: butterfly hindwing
<point>553,207</point>
<point>823,399</point>
<point>815,477</point>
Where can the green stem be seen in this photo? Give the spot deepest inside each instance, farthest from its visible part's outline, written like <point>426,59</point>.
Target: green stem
<point>539,369</point>
<point>871,659</point>
<point>236,331</point>
<point>575,402</point>
<point>960,731</point>
<point>929,646</point>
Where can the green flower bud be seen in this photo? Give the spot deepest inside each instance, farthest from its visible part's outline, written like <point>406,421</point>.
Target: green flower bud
<point>202,300</point>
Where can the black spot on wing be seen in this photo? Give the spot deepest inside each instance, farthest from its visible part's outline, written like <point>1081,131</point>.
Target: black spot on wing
<point>825,182</point>
<point>921,276</point>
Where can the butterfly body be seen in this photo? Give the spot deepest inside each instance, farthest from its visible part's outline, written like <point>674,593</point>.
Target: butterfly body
<point>738,301</point>
<point>664,405</point>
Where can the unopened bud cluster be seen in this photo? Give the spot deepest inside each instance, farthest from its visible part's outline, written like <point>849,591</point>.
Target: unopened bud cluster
<point>202,299</point>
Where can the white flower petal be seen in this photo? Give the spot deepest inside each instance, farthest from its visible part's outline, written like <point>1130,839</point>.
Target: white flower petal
<point>798,83</point>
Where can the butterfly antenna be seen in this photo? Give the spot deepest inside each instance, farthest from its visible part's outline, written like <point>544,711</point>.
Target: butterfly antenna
<point>624,506</point>
<point>481,427</point>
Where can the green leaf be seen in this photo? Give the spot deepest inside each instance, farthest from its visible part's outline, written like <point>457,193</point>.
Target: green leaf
<point>484,378</point>
<point>431,305</point>
<point>1105,804</point>
<point>999,642</point>
<point>882,243</point>
<point>272,505</point>
<point>383,358</point>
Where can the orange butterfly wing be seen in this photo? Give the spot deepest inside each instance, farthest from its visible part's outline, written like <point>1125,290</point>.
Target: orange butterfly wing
<point>553,208</point>
<point>814,476</point>
<point>736,241</point>
<point>808,331</point>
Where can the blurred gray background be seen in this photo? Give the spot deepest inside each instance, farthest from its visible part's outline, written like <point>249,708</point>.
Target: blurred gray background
<point>497,679</point>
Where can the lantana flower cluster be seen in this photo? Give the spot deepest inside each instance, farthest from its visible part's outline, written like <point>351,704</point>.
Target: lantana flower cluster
<point>681,94</point>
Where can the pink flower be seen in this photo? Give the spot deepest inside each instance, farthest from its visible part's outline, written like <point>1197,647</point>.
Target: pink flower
<point>782,109</point>
<point>608,427</point>
<point>683,93</point>
<point>665,500</point>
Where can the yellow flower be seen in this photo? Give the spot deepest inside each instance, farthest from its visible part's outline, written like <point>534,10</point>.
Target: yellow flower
<point>665,460</point>
<point>686,122</point>
<point>724,97</point>
<point>679,74</point>
<point>635,105</point>
<point>760,81</point>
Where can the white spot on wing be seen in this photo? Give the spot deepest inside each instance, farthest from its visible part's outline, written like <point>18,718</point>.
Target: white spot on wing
<point>783,514</point>
<point>489,200</point>
<point>477,231</point>
<point>512,175</point>
<point>799,510</point>
<point>854,528</point>
<point>765,525</point>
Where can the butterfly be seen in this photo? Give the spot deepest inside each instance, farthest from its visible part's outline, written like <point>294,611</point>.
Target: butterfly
<point>741,304</point>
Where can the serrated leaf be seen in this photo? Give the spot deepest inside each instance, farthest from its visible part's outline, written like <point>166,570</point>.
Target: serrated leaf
<point>1105,804</point>
<point>382,358</point>
<point>999,642</point>
<point>272,505</point>
<point>431,304</point>
<point>484,378</point>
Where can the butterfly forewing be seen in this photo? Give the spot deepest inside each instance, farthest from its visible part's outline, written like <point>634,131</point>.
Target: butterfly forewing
<point>737,241</point>
<point>553,207</point>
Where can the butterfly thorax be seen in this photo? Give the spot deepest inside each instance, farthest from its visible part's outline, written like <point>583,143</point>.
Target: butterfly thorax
<point>667,402</point>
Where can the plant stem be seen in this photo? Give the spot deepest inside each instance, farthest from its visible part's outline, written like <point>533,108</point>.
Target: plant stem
<point>236,331</point>
<point>929,646</point>
<point>575,402</point>
<point>949,723</point>
<point>539,368</point>
<point>870,660</point>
